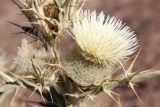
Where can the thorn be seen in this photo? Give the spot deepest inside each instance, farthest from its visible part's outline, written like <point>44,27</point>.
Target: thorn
<point>19,33</point>
<point>50,94</point>
<point>109,93</point>
<point>27,30</point>
<point>24,3</point>
<point>129,70</point>
<point>33,93</point>
<point>123,69</point>
<point>132,87</point>
<point>36,23</point>
<point>16,92</point>
<point>30,9</point>
<point>40,91</point>
<point>119,100</point>
<point>72,95</point>
<point>33,105</point>
<point>13,1</point>
<point>19,14</point>
<point>92,99</point>
<point>32,41</point>
<point>84,1</point>
<point>14,24</point>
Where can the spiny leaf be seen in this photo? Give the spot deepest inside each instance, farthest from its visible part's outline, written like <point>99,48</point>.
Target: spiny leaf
<point>134,78</point>
<point>7,87</point>
<point>144,75</point>
<point>6,77</point>
<point>25,82</point>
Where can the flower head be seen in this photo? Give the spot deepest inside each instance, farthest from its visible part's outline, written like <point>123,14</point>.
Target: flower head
<point>103,41</point>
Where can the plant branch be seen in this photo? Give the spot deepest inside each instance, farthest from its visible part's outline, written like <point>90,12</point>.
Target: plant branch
<point>134,78</point>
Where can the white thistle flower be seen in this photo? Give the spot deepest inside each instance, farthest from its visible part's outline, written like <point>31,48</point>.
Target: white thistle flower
<point>103,41</point>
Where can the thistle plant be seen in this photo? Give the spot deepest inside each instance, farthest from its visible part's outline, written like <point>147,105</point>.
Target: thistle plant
<point>103,45</point>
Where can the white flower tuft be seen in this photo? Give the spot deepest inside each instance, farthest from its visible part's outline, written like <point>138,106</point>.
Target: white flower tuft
<point>103,40</point>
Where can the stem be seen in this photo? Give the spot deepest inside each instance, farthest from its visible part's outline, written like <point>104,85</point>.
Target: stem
<point>134,78</point>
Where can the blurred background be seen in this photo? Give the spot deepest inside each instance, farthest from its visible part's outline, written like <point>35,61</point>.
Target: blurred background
<point>144,18</point>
